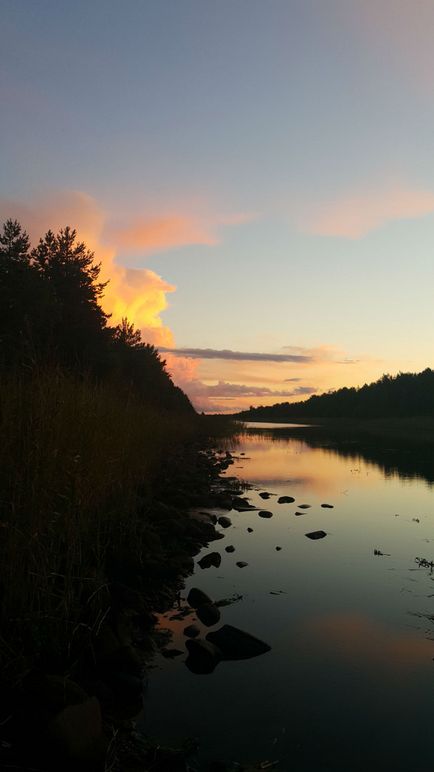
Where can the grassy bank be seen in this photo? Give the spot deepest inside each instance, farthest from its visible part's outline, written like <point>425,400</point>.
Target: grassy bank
<point>78,464</point>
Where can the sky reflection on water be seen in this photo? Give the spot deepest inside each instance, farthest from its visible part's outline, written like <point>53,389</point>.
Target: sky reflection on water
<point>349,682</point>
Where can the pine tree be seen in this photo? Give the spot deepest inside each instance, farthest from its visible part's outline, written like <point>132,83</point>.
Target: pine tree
<point>19,296</point>
<point>78,321</point>
<point>14,245</point>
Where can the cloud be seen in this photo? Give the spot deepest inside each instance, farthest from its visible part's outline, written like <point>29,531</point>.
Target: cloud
<point>141,295</point>
<point>359,212</point>
<point>226,390</point>
<point>239,356</point>
<point>155,234</point>
<point>144,235</point>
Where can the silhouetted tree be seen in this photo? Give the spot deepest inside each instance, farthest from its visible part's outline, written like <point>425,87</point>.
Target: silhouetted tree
<point>78,323</point>
<point>14,245</point>
<point>20,296</point>
<point>125,334</point>
<point>50,312</point>
<point>406,394</point>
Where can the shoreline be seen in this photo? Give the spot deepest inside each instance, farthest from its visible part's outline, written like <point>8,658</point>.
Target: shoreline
<point>80,717</point>
<point>417,429</point>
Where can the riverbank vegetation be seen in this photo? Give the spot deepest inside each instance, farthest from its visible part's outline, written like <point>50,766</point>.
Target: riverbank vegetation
<point>101,458</point>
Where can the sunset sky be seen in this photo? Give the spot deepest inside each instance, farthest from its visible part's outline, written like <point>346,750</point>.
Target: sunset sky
<point>256,176</point>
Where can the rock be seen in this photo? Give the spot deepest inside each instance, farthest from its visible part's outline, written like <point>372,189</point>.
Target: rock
<point>230,548</point>
<point>242,564</point>
<point>196,598</point>
<point>327,506</point>
<point>241,504</point>
<point>265,495</point>
<point>316,535</point>
<point>212,559</point>
<point>202,517</point>
<point>208,614</point>
<point>203,656</point>
<point>191,631</point>
<point>236,644</point>
<point>77,729</point>
<point>250,530</point>
<point>298,514</point>
<point>265,513</point>
<point>171,653</point>
<point>304,506</point>
<point>285,500</point>
<point>278,549</point>
<point>224,521</point>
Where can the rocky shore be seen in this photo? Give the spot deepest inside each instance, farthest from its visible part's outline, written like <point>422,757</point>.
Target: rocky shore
<point>79,714</point>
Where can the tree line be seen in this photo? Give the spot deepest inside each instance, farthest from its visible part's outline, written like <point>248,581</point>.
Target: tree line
<point>402,395</point>
<point>51,315</point>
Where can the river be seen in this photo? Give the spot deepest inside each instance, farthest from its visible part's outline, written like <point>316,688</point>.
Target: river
<point>349,681</point>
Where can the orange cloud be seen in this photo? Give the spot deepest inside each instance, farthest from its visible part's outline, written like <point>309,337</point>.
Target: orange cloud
<point>355,215</point>
<point>138,294</point>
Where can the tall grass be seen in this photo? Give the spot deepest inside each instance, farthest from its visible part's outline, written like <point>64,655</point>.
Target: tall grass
<point>72,456</point>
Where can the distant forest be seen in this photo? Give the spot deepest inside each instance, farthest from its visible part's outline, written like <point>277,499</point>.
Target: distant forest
<point>50,316</point>
<point>402,395</point>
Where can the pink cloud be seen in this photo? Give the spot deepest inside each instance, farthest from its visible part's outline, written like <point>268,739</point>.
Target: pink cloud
<point>172,230</point>
<point>153,234</point>
<point>356,214</point>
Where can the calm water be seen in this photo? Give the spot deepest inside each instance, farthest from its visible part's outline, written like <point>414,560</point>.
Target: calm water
<point>349,683</point>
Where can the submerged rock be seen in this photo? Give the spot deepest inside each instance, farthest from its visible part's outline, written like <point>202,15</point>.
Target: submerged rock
<point>265,513</point>
<point>285,500</point>
<point>327,506</point>
<point>265,495</point>
<point>298,514</point>
<point>278,549</point>
<point>196,598</point>
<point>242,564</point>
<point>191,631</point>
<point>224,521</point>
<point>234,643</point>
<point>208,614</point>
<point>316,535</point>
<point>304,506</point>
<point>230,548</point>
<point>250,530</point>
<point>203,656</point>
<point>212,559</point>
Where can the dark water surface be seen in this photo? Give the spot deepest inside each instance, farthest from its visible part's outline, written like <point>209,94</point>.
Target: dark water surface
<point>349,682</point>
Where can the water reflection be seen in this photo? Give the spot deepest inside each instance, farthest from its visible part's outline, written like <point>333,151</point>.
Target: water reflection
<point>403,458</point>
<point>349,681</point>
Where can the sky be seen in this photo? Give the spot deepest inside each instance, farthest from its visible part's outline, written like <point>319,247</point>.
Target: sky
<point>256,177</point>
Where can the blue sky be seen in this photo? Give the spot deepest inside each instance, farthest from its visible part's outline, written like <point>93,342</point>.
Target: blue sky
<point>273,161</point>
